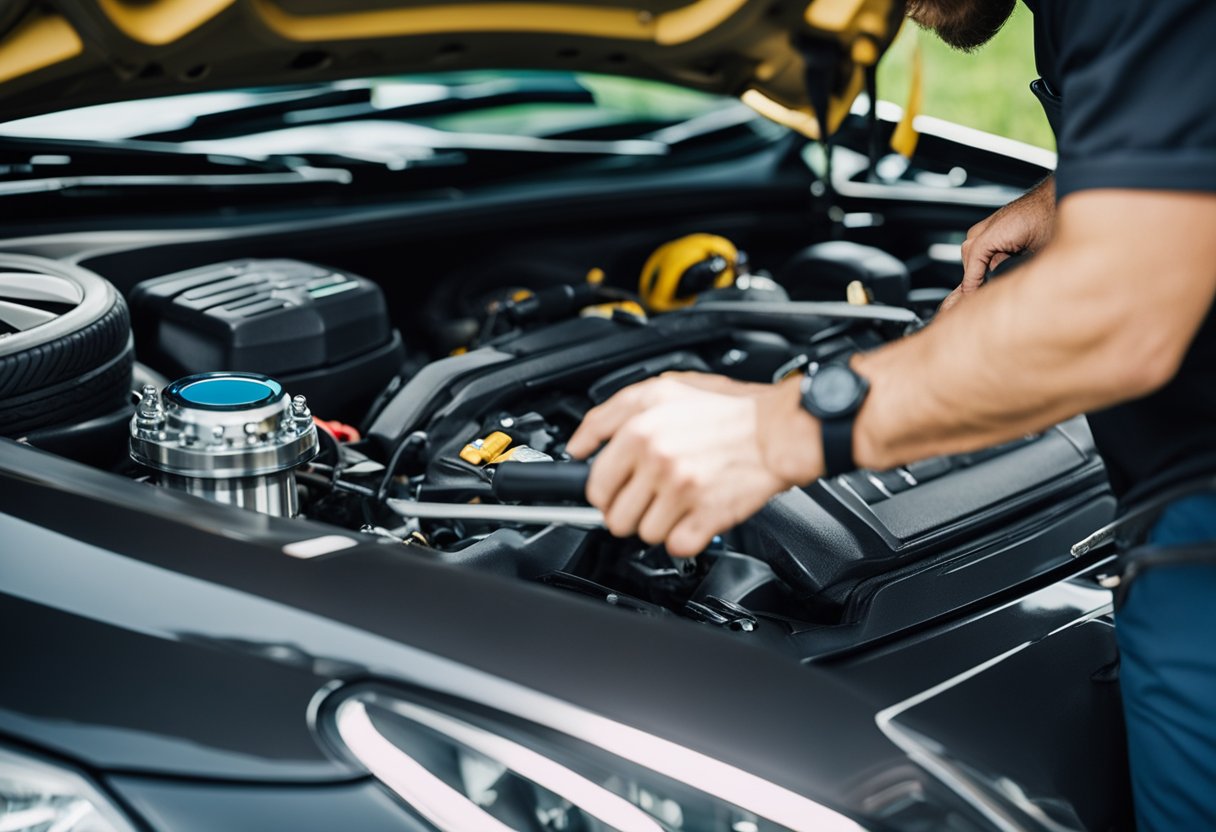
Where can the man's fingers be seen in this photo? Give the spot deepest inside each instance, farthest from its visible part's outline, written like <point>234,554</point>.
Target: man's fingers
<point>975,266</point>
<point>665,511</point>
<point>625,512</point>
<point>951,301</point>
<point>587,437</point>
<point>601,423</point>
<point>612,469</point>
<point>691,535</point>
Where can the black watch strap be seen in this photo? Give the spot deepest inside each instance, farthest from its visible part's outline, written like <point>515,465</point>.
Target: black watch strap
<point>833,393</point>
<point>837,446</point>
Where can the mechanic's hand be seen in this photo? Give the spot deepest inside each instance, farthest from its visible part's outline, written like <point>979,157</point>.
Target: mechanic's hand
<point>951,300</point>
<point>684,463</point>
<point>712,383</point>
<point>1023,225</point>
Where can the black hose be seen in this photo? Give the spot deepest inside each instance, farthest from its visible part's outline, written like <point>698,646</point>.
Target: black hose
<point>395,460</point>
<point>309,478</point>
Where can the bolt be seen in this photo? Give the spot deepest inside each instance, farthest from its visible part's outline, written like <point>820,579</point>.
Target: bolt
<point>734,357</point>
<point>251,428</point>
<point>149,402</point>
<point>299,407</point>
<point>217,434</point>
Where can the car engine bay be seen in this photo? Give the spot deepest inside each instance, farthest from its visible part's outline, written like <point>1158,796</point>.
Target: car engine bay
<point>286,387</point>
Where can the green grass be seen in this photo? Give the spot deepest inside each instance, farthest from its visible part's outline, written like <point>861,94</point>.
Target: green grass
<point>988,89</point>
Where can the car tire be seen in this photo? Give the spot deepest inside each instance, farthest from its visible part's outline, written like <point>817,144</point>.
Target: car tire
<point>66,351</point>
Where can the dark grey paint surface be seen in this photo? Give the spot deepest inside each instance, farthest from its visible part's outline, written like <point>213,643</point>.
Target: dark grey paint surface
<point>199,655</point>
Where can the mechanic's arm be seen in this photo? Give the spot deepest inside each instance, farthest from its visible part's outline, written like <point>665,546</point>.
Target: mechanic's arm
<point>1105,313</point>
<point>1024,225</point>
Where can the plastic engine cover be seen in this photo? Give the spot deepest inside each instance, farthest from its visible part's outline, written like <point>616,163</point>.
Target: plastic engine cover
<point>322,332</point>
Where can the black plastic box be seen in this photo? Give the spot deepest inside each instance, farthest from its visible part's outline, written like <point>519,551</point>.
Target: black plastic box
<point>321,332</point>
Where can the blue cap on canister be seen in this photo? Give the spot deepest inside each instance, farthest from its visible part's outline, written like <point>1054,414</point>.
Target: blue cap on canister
<point>225,391</point>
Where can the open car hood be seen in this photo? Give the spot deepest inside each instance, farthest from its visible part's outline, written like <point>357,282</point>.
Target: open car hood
<point>58,54</point>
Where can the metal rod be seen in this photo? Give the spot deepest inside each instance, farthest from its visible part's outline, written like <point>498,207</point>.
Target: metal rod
<point>583,516</point>
<point>798,309</point>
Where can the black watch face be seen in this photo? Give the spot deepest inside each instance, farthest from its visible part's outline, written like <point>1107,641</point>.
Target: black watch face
<point>834,390</point>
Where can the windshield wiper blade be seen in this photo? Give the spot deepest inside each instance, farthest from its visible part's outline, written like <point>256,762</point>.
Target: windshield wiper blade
<point>78,156</point>
<point>38,166</point>
<point>716,121</point>
<point>400,145</point>
<point>300,175</point>
<point>268,114</point>
<point>344,104</point>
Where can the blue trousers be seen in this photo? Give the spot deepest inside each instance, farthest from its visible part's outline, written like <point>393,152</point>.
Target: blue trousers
<point>1166,630</point>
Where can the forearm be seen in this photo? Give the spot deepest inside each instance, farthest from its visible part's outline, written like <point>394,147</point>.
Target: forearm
<point>1014,359</point>
<point>1087,324</point>
<point>1045,190</point>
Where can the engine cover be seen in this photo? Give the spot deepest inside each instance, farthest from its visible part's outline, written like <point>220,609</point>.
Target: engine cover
<point>323,332</point>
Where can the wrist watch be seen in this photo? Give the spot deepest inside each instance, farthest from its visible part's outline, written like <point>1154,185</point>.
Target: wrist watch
<point>833,393</point>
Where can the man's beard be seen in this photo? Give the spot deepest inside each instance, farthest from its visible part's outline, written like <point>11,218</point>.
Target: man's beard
<point>963,24</point>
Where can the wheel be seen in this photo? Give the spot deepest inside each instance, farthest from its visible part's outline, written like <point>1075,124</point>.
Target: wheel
<point>66,350</point>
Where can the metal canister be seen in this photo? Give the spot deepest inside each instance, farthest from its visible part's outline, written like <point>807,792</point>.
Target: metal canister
<point>235,438</point>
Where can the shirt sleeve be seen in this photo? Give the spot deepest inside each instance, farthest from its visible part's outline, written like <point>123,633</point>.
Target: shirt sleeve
<point>1138,82</point>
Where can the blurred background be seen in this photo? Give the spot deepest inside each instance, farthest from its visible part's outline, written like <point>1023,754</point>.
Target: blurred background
<point>988,89</point>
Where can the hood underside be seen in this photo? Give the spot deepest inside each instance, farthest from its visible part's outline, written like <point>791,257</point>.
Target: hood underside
<point>59,54</point>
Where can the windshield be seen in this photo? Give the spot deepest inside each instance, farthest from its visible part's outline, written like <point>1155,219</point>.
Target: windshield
<point>518,103</point>
<point>379,136</point>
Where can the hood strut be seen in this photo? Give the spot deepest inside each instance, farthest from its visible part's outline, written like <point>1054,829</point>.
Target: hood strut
<point>821,59</point>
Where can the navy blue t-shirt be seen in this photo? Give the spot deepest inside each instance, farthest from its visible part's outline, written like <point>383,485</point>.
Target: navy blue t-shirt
<point>1130,89</point>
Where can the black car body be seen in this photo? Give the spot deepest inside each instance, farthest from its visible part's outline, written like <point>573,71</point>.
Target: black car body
<point>918,649</point>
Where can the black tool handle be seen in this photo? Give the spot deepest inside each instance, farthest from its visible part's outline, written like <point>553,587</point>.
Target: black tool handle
<point>528,481</point>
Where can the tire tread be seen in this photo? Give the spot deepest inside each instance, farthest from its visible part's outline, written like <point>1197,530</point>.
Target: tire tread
<point>78,376</point>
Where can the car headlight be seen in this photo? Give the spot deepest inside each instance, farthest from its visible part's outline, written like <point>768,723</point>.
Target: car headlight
<point>466,769</point>
<point>37,795</point>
